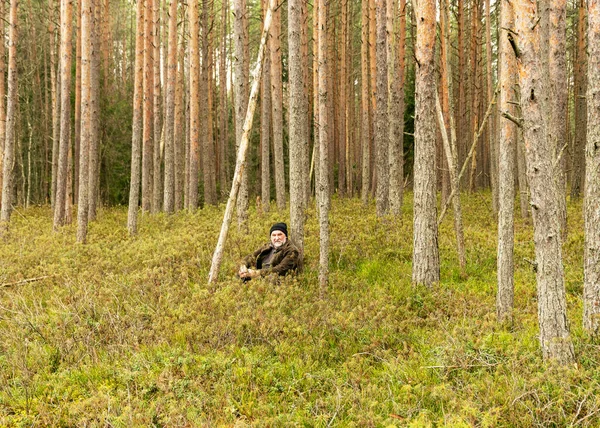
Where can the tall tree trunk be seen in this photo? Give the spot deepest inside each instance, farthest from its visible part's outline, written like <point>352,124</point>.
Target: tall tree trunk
<point>396,102</point>
<point>591,264</point>
<point>426,259</point>
<point>297,125</point>
<point>240,70</point>
<point>506,167</point>
<point>194,159</point>
<point>11,113</point>
<point>445,118</point>
<point>94,145</point>
<point>66,30</point>
<point>223,109</point>
<point>461,109</point>
<point>474,90</point>
<point>381,114</point>
<point>136,137</point>
<point>552,310</point>
<point>179,139</point>
<point>86,20</point>
<point>148,113</point>
<point>3,88</point>
<point>158,136</point>
<point>558,109</point>
<point>578,169</point>
<point>265,132</point>
<point>342,99</point>
<point>277,106</point>
<point>323,192</point>
<point>169,125</point>
<point>208,152</point>
<point>54,83</point>
<point>365,101</point>
<point>77,114</point>
<point>491,140</point>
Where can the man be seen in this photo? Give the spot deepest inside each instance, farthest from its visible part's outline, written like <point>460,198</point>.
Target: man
<point>280,256</point>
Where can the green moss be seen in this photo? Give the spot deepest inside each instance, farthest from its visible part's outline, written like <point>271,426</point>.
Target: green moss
<point>127,332</point>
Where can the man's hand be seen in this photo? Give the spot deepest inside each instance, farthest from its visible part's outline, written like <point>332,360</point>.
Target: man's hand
<point>248,273</point>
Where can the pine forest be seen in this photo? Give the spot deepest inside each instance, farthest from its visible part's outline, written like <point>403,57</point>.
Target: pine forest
<point>437,165</point>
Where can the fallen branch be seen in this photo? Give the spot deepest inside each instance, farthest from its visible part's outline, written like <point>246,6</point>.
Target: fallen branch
<point>25,281</point>
<point>242,150</point>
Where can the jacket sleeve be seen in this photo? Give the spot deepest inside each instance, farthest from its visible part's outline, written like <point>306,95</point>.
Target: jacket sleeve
<point>250,260</point>
<point>288,263</point>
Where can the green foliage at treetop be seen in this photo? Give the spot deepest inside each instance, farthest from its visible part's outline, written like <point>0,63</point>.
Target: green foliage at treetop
<point>127,332</point>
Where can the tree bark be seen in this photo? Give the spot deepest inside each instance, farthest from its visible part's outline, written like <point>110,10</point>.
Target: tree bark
<point>396,102</point>
<point>136,137</point>
<point>381,114</point>
<point>54,83</point>
<point>148,112</point>
<point>208,151</point>
<point>169,125</point>
<point>591,264</point>
<point>365,104</point>
<point>555,339</point>
<point>3,90</point>
<point>277,105</point>
<point>11,113</point>
<point>94,161</point>
<point>194,91</point>
<point>323,192</point>
<point>297,125</point>
<point>426,260</point>
<point>558,109</point>
<point>240,45</point>
<point>578,169</point>
<point>506,168</point>
<point>86,8</point>
<point>65,112</point>
<point>157,125</point>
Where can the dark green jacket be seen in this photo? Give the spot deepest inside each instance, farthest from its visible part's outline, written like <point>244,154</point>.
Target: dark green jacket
<point>286,259</point>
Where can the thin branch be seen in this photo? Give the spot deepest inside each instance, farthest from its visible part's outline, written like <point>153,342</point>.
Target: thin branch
<point>25,281</point>
<point>517,121</point>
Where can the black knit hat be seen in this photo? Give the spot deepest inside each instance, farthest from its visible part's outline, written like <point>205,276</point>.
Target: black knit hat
<point>279,226</point>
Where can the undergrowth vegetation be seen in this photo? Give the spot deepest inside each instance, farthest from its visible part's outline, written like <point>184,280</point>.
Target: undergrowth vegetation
<point>127,332</point>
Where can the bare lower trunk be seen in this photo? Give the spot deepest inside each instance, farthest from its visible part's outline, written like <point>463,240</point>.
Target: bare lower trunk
<point>11,112</point>
<point>65,112</point>
<point>506,168</point>
<point>591,282</point>
<point>426,260</point>
<point>381,115</point>
<point>555,339</point>
<point>136,138</point>
<point>297,125</point>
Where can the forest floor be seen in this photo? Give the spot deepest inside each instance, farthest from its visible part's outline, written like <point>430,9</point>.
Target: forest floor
<point>127,332</point>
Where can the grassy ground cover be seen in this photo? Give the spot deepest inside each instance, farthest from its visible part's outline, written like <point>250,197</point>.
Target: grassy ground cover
<point>127,332</point>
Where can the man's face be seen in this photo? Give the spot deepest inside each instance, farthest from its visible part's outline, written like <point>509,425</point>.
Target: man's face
<point>278,238</point>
